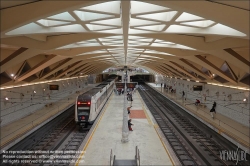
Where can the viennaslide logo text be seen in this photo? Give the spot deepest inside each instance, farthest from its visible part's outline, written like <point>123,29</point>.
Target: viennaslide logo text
<point>233,155</point>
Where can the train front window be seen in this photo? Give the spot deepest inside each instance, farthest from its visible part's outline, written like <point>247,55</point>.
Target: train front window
<point>83,112</point>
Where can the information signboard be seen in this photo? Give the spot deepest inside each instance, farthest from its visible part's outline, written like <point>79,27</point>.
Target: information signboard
<point>131,84</point>
<point>120,85</point>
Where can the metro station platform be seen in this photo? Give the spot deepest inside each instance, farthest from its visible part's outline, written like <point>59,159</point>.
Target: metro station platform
<point>230,129</point>
<point>107,135</point>
<point>17,130</point>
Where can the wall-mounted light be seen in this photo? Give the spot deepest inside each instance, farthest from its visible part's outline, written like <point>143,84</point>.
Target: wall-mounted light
<point>197,81</point>
<point>12,75</point>
<point>44,89</point>
<point>6,98</point>
<point>213,75</point>
<point>188,79</point>
<point>34,91</point>
<point>245,101</point>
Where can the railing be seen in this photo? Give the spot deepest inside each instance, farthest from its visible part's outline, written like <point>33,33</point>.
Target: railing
<point>111,158</point>
<point>137,156</point>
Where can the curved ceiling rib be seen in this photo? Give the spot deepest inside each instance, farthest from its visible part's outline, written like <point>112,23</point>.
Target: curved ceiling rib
<point>174,38</point>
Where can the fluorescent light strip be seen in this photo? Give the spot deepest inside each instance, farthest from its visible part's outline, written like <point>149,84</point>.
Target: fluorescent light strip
<point>42,82</point>
<point>229,86</point>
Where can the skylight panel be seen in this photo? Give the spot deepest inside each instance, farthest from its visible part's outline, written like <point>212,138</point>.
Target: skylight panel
<point>94,52</point>
<point>201,24</point>
<point>113,22</point>
<point>140,22</point>
<point>164,16</point>
<point>49,23</point>
<point>188,17</point>
<point>63,16</point>
<point>108,7</point>
<point>87,16</point>
<point>162,41</point>
<point>115,37</point>
<point>148,56</point>
<point>152,28</point>
<point>87,41</point>
<point>138,44</point>
<point>143,40</point>
<point>142,7</point>
<point>135,37</point>
<point>157,52</point>
<point>93,27</point>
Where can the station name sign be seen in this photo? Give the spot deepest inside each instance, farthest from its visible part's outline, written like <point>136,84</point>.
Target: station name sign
<point>53,87</point>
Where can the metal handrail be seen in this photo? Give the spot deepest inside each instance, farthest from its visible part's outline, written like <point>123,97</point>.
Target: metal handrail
<point>137,156</point>
<point>111,154</point>
<point>114,160</point>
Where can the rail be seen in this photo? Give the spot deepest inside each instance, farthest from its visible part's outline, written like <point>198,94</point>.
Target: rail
<point>51,111</point>
<point>221,123</point>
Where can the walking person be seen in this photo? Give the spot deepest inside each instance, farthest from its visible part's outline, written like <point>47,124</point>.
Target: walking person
<point>212,111</point>
<point>129,125</point>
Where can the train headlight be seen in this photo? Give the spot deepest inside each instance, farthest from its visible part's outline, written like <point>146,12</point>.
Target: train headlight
<point>83,117</point>
<point>88,103</point>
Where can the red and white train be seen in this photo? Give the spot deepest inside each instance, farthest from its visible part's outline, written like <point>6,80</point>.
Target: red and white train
<point>89,104</point>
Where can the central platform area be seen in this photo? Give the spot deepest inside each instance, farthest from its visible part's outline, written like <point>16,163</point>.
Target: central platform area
<point>108,135</point>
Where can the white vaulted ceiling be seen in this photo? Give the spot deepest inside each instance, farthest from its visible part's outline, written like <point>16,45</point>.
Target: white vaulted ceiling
<point>185,39</point>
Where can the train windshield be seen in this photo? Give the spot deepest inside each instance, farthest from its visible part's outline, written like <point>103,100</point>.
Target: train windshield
<point>83,111</point>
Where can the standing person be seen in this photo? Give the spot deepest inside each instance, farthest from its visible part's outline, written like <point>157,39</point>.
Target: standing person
<point>183,94</point>
<point>129,125</point>
<point>212,111</point>
<point>161,84</point>
<point>128,109</point>
<point>214,105</point>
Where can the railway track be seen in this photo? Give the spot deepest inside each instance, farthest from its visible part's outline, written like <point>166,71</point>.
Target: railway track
<point>61,135</point>
<point>193,142</point>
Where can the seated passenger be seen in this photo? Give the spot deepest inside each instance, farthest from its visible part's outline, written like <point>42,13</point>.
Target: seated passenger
<point>197,102</point>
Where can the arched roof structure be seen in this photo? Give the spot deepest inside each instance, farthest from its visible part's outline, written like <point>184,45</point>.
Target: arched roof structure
<point>206,41</point>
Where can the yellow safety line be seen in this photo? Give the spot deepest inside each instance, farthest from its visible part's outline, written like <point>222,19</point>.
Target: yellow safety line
<point>147,116</point>
<point>170,157</point>
<point>156,126</point>
<point>89,139</point>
